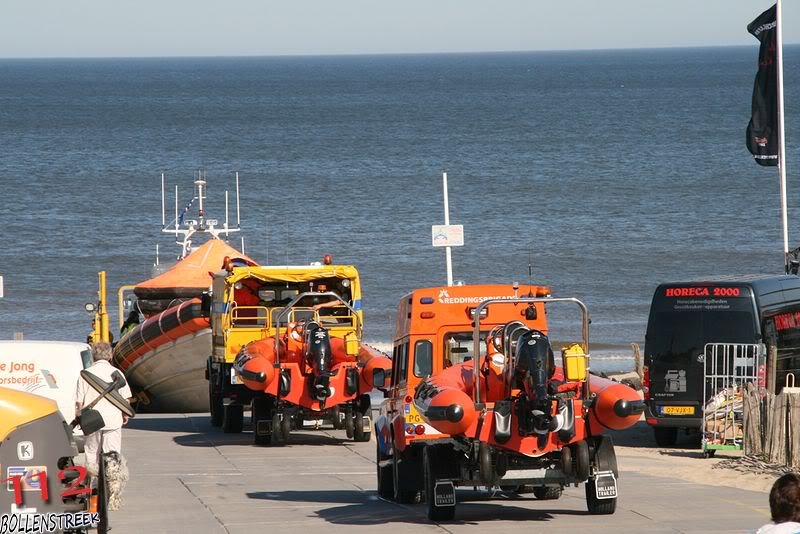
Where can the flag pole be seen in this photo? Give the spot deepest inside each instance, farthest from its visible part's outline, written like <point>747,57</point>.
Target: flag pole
<point>781,136</point>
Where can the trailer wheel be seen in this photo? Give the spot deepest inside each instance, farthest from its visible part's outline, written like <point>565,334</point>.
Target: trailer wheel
<point>431,472</point>
<point>547,493</point>
<point>261,415</point>
<point>406,477</point>
<point>665,437</point>
<point>232,418</point>
<point>598,506</point>
<point>385,482</point>
<point>349,424</point>
<point>336,418</point>
<point>286,426</point>
<point>361,422</point>
<point>278,437</point>
<point>214,400</point>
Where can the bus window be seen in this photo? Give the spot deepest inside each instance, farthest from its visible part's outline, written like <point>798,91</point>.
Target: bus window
<point>786,334</point>
<point>423,358</point>
<point>458,347</point>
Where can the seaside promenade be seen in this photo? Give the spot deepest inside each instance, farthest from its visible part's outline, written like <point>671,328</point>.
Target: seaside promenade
<point>187,476</point>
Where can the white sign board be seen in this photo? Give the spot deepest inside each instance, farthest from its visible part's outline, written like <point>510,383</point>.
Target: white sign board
<point>444,235</point>
<point>1,287</point>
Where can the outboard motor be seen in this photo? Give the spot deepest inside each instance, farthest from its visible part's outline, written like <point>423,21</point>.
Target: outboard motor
<point>319,358</point>
<point>534,365</point>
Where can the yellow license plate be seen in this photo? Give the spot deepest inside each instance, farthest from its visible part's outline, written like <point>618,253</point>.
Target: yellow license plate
<point>412,416</point>
<point>678,410</point>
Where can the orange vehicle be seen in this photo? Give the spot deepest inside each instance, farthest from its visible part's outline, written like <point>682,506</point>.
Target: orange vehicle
<point>434,331</point>
<point>287,341</point>
<point>513,419</point>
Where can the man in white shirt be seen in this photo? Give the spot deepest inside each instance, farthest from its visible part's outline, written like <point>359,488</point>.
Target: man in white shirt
<point>113,418</point>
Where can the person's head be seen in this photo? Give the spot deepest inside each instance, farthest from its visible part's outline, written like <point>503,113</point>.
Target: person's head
<point>784,499</point>
<point>101,351</point>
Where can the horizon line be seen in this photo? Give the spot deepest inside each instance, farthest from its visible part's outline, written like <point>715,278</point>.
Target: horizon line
<point>755,45</point>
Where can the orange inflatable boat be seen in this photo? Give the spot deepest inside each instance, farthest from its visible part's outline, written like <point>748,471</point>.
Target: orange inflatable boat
<point>519,420</point>
<point>308,370</point>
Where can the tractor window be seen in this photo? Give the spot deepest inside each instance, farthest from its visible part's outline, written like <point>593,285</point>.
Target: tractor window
<point>400,363</point>
<point>423,358</point>
<point>458,347</point>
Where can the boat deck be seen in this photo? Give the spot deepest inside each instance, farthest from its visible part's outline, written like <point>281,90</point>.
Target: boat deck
<point>187,476</point>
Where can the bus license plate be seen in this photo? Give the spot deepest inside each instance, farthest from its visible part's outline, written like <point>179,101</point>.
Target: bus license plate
<point>677,410</point>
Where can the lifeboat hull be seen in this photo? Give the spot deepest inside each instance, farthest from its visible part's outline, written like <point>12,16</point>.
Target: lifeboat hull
<point>164,360</point>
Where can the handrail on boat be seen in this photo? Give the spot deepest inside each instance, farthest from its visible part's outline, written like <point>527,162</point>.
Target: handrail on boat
<point>512,329</point>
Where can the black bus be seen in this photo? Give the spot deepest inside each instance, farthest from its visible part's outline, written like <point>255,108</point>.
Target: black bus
<point>685,316</point>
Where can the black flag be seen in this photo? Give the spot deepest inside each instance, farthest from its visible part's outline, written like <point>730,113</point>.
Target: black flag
<point>762,132</point>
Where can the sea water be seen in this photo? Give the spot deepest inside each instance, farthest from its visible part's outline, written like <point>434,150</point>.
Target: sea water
<point>607,171</point>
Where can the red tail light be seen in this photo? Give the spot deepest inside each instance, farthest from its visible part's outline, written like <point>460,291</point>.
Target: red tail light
<point>646,382</point>
<point>419,430</point>
<point>408,399</point>
<point>409,429</point>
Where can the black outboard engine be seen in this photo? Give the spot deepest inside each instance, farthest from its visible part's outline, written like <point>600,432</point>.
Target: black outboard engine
<point>319,357</point>
<point>534,366</point>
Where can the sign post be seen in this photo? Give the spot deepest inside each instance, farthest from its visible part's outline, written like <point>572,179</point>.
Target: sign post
<point>447,235</point>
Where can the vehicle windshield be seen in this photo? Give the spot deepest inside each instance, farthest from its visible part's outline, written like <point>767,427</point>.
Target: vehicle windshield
<point>458,347</point>
<point>684,334</point>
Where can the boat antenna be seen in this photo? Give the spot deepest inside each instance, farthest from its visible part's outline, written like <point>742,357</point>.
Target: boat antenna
<point>163,205</point>
<point>530,274</point>
<point>176,211</point>
<point>226,209</point>
<point>238,223</point>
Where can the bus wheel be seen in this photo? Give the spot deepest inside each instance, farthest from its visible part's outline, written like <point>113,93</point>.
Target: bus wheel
<point>445,509</point>
<point>666,437</point>
<point>232,418</point>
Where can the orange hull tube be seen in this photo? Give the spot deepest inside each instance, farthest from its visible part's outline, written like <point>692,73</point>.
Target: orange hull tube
<point>612,405</point>
<point>258,373</point>
<point>446,402</point>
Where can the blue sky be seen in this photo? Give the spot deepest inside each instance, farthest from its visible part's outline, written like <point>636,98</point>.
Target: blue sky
<point>122,28</point>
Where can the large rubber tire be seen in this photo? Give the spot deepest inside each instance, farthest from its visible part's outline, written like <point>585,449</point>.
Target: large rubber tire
<point>598,506</point>
<point>665,436</point>
<point>336,418</point>
<point>359,434</point>
<point>277,429</point>
<point>430,474</point>
<point>286,426</point>
<point>232,418</point>
<point>349,426</point>
<point>262,411</point>
<point>214,401</point>
<point>405,477</point>
<point>362,409</point>
<point>385,480</point>
<point>547,493</point>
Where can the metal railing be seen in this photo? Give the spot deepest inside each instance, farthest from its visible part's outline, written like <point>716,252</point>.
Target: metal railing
<point>287,310</point>
<point>514,329</point>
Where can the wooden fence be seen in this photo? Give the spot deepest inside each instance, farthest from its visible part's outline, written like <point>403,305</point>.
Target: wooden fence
<point>772,426</point>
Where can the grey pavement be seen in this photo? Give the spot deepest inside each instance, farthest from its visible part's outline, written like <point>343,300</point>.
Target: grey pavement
<point>187,476</point>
